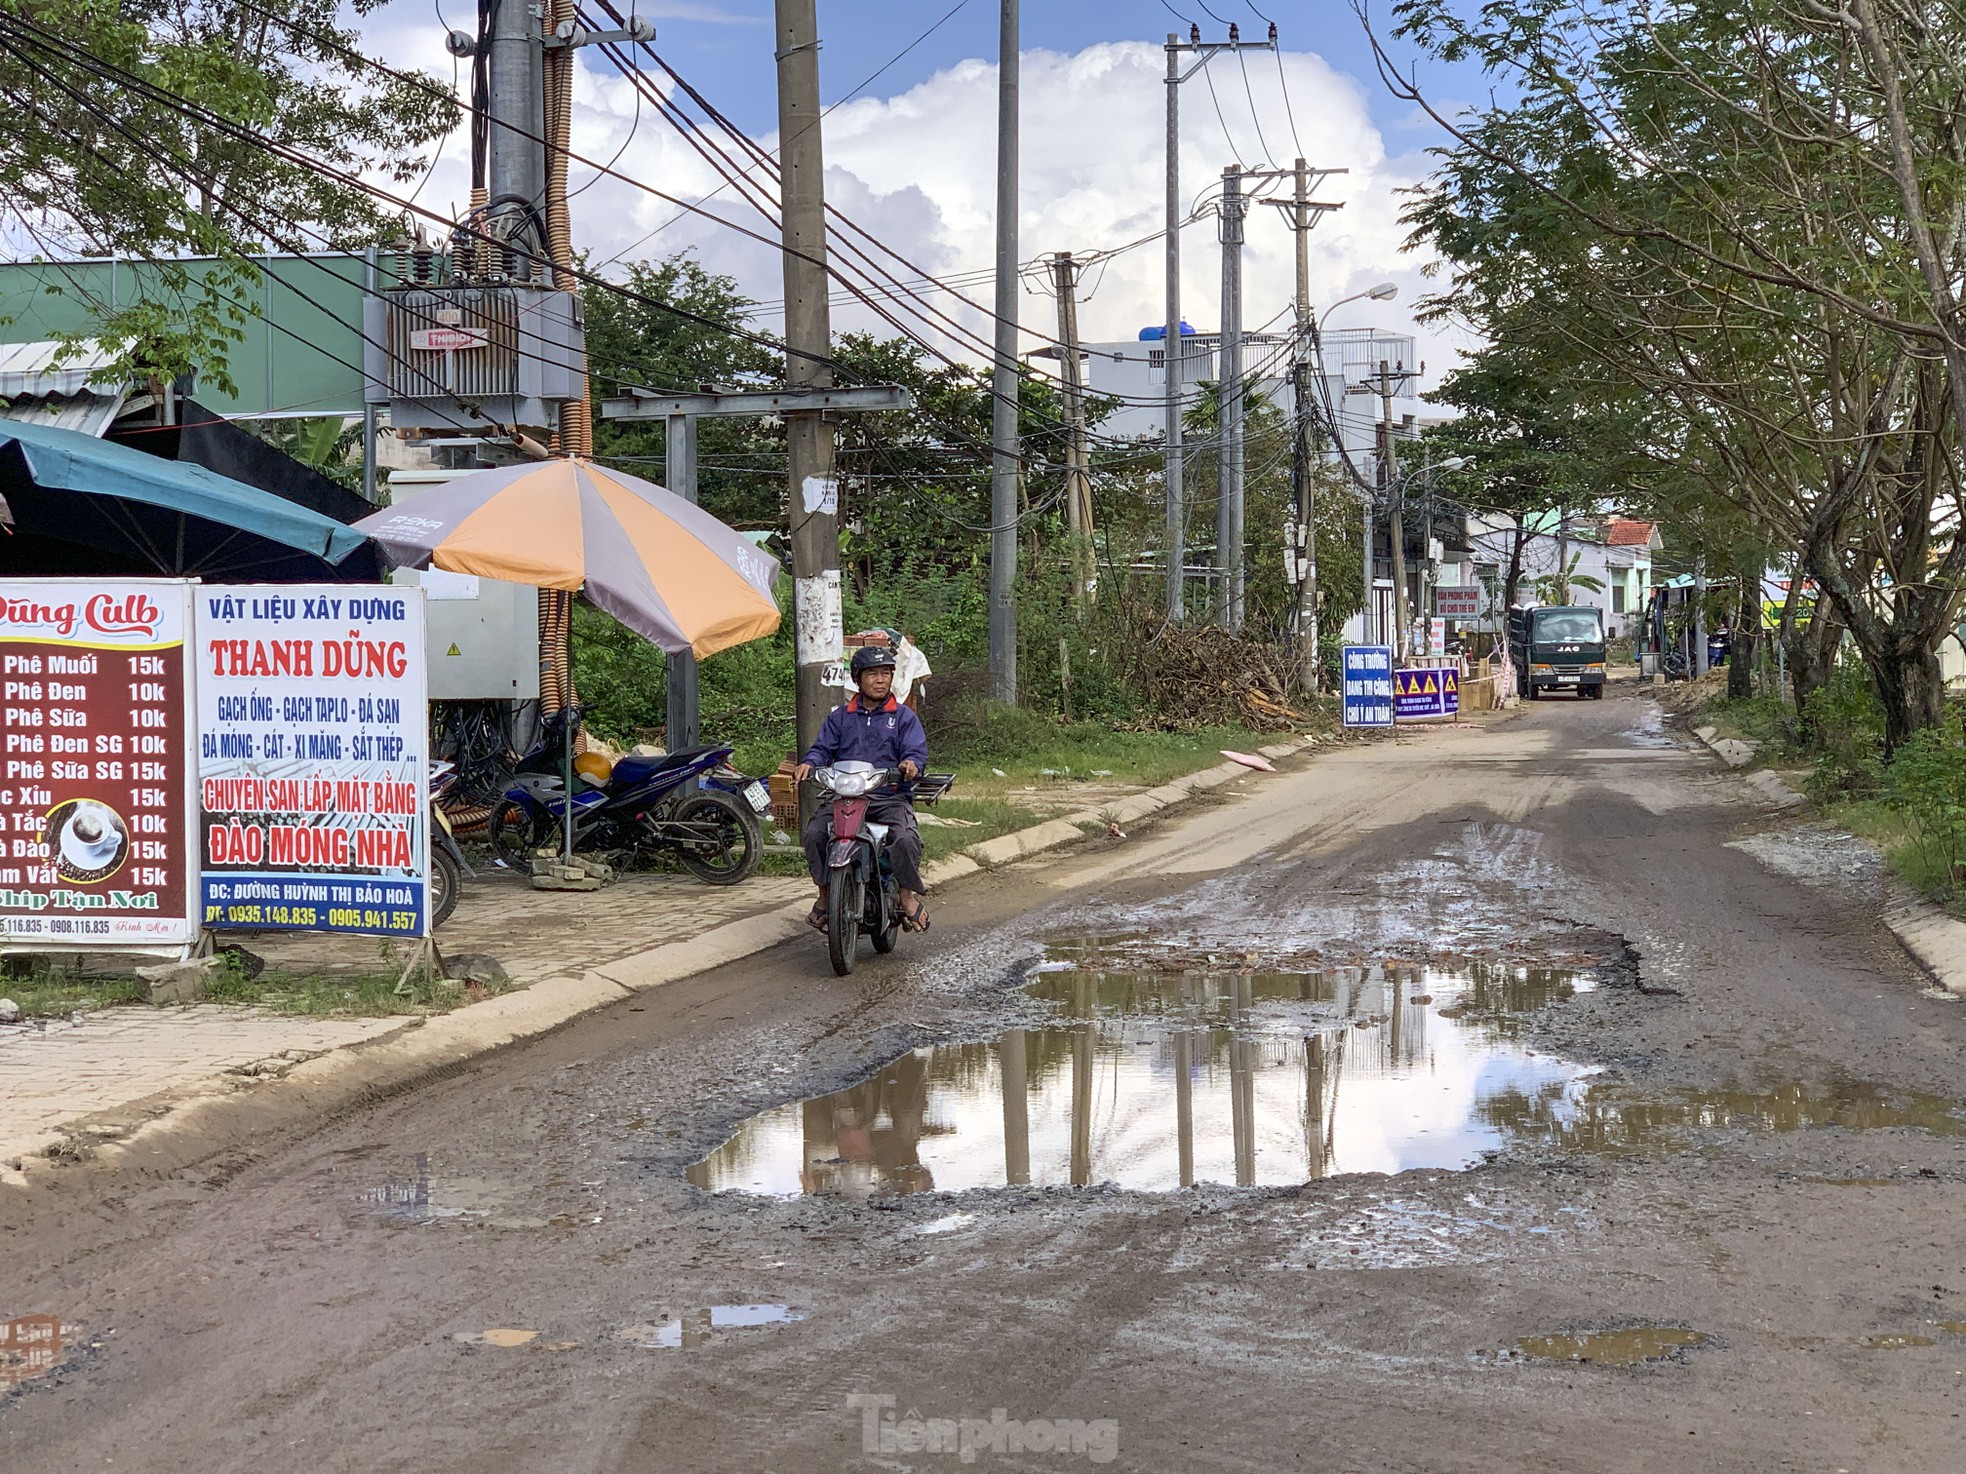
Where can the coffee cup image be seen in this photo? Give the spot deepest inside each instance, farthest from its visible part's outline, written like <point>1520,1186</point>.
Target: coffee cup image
<point>88,839</point>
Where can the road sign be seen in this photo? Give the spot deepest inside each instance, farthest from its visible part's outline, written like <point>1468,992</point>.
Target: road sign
<point>1426,692</point>
<point>1368,685</point>
<point>1458,603</point>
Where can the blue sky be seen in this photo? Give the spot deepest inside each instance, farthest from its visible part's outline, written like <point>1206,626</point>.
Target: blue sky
<point>727,51</point>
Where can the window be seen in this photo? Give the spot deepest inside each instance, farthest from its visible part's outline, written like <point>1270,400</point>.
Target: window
<point>1618,594</point>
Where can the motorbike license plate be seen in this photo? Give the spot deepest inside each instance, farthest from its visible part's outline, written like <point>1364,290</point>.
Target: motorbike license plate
<point>756,797</point>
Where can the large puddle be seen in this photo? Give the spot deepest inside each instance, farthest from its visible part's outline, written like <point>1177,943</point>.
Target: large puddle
<point>1156,1081</point>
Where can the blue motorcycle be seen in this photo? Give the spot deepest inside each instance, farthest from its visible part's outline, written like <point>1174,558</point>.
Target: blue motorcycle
<point>689,803</point>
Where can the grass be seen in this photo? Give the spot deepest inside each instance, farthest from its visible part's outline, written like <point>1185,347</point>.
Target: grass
<point>57,995</point>
<point>49,993</point>
<point>1022,745</point>
<point>1763,719</point>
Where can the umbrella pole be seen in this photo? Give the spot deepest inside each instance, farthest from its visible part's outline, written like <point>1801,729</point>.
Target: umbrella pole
<point>566,775</point>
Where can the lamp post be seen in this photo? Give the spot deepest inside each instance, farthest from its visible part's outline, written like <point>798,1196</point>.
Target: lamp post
<point>1311,356</point>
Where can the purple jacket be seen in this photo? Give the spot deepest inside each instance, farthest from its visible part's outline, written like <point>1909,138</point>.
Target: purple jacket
<point>882,735</point>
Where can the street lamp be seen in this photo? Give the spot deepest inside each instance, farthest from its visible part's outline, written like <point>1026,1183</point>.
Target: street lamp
<point>1309,347</point>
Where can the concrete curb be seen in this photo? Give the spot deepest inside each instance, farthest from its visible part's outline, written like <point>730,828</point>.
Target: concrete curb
<point>433,1047</point>
<point>1932,936</point>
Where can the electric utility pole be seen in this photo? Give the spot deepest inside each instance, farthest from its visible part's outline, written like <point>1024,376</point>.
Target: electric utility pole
<point>1304,213</point>
<point>1383,382</point>
<point>1078,478</point>
<point>1005,463</point>
<point>812,492</point>
<point>1229,405</point>
<point>1172,354</point>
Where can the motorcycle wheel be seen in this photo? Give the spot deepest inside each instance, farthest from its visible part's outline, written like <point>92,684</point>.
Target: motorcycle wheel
<point>887,928</point>
<point>843,906</point>
<point>445,882</point>
<point>516,832</point>
<point>736,851</point>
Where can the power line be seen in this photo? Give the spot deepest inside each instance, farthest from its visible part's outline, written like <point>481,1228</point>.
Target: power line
<point>1249,92</point>
<point>860,87</point>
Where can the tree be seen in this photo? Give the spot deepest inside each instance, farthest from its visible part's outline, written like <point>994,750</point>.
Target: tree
<point>124,138</point>
<point>1747,216</point>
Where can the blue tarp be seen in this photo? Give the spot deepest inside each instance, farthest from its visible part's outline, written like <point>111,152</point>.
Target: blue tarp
<point>62,460</point>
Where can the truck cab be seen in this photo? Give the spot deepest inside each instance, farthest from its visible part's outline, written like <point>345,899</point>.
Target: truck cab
<point>1557,648</point>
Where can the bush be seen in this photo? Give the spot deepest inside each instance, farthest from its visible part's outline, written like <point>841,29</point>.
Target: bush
<point>1926,784</point>
<point>1844,721</point>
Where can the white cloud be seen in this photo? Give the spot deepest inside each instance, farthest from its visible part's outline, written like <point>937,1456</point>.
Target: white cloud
<point>917,170</point>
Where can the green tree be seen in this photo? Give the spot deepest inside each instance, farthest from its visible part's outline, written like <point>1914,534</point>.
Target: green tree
<point>121,140</point>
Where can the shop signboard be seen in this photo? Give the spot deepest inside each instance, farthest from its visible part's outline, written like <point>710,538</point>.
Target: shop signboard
<point>95,782</point>
<point>313,774</point>
<point>1458,603</point>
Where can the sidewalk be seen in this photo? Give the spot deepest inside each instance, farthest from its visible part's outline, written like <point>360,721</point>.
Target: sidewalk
<point>96,1083</point>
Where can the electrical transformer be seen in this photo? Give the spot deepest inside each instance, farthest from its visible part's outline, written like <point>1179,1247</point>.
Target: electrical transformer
<point>473,359</point>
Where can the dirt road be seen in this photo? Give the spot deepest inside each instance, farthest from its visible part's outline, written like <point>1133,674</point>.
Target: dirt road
<point>1683,1182</point>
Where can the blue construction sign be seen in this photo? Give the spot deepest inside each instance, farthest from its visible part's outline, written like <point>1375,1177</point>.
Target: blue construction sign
<point>1368,685</point>
<point>1426,692</point>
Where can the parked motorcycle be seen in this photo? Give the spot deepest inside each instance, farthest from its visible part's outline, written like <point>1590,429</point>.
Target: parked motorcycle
<point>690,803</point>
<point>862,894</point>
<point>448,866</point>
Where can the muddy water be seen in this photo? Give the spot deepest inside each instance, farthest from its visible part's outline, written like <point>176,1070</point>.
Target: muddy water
<point>1622,1348</point>
<point>1153,1081</point>
<point>32,1346</point>
<point>1158,1081</point>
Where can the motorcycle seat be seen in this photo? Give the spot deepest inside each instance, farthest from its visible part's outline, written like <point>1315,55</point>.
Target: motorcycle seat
<point>635,770</point>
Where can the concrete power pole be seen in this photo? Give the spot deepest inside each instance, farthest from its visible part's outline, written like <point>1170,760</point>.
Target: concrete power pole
<point>1005,462</point>
<point>812,492</point>
<point>1395,516</point>
<point>1172,348</point>
<point>1176,539</point>
<point>1078,478</point>
<point>515,167</point>
<point>1229,396</point>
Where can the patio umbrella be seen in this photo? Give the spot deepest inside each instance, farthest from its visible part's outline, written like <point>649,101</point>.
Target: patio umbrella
<point>662,566</point>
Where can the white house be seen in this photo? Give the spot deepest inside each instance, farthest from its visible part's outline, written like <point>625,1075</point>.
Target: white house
<point>1614,552</point>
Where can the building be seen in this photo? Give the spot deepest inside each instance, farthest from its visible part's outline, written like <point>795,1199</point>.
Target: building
<point>1609,559</point>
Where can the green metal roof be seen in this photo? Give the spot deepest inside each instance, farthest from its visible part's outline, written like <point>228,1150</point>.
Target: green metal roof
<point>301,354</point>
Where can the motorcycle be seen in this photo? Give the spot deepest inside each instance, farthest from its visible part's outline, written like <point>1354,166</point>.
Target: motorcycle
<point>448,866</point>
<point>690,802</point>
<point>862,894</point>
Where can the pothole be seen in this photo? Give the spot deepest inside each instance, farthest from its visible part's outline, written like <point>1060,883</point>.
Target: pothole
<point>33,1346</point>
<point>695,1327</point>
<point>426,1194</point>
<point>1628,1347</point>
<point>1155,1081</point>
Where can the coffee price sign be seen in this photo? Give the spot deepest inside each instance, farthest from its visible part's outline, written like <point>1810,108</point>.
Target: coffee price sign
<point>95,783</point>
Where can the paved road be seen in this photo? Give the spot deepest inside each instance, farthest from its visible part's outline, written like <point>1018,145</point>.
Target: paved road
<point>1710,1107</point>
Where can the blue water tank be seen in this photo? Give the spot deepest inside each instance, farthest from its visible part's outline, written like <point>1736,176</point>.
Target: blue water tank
<point>1158,332</point>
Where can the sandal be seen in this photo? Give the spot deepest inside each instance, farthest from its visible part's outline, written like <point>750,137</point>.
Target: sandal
<point>816,917</point>
<point>918,919</point>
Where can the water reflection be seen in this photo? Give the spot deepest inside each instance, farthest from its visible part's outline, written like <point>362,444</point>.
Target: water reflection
<point>32,1346</point>
<point>1157,1081</point>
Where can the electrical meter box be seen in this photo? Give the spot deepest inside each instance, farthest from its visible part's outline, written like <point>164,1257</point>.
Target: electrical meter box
<point>481,634</point>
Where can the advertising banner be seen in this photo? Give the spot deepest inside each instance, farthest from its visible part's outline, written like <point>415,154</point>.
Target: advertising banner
<point>313,776</point>
<point>95,782</point>
<point>1458,603</point>
<point>1368,685</point>
<point>1427,692</point>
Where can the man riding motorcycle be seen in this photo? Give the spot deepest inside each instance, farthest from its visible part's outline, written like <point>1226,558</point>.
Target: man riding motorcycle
<point>872,727</point>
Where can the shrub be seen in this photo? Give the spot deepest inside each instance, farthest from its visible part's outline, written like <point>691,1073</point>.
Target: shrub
<point>1926,784</point>
<point>1844,721</point>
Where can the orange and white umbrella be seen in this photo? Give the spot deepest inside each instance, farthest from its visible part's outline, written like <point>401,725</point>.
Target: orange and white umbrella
<point>662,566</point>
